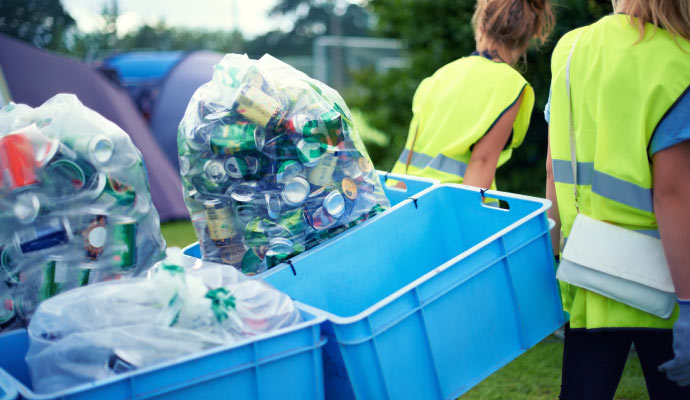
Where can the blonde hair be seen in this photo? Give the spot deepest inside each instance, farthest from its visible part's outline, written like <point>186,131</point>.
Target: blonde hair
<point>511,24</point>
<point>672,15</point>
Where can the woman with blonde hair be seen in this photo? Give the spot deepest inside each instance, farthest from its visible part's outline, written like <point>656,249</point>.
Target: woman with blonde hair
<point>471,113</point>
<point>620,104</point>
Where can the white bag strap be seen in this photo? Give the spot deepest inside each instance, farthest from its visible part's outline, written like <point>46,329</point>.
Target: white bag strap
<point>571,125</point>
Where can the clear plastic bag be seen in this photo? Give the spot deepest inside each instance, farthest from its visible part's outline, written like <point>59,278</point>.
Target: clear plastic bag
<point>75,205</point>
<point>182,307</point>
<point>271,164</point>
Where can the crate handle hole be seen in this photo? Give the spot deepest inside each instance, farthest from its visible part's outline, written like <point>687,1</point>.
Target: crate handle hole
<point>396,185</point>
<point>492,202</point>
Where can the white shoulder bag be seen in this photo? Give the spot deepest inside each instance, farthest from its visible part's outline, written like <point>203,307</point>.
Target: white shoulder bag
<point>616,262</point>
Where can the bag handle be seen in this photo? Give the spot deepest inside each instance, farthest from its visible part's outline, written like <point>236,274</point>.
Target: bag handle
<point>571,125</point>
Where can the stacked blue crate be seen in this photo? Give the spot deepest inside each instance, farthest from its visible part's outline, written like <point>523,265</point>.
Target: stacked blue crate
<point>284,364</point>
<point>431,297</point>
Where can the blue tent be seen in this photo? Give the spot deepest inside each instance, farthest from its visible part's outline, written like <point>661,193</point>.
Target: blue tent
<point>143,67</point>
<point>182,81</point>
<point>161,84</point>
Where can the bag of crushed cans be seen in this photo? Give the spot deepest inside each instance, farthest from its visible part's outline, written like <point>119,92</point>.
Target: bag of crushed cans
<point>272,164</point>
<point>185,305</point>
<point>75,205</point>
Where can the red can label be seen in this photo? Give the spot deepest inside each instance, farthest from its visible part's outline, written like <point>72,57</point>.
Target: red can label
<point>17,161</point>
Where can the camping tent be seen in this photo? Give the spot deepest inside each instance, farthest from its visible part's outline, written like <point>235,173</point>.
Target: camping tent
<point>161,84</point>
<point>33,76</point>
<point>195,69</point>
<point>141,73</point>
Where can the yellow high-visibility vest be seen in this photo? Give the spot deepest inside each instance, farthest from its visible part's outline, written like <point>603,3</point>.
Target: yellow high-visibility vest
<point>457,106</point>
<point>620,92</point>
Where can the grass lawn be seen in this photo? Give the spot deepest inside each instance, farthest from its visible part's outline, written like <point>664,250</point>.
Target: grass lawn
<point>534,375</point>
<point>537,375</point>
<point>178,233</point>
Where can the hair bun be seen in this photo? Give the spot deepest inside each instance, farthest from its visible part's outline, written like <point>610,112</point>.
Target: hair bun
<point>537,4</point>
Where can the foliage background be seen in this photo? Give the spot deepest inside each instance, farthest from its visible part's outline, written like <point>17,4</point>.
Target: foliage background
<point>436,32</point>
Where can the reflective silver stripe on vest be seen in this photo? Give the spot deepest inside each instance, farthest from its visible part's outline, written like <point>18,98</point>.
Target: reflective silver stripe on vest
<point>440,163</point>
<point>649,232</point>
<point>604,185</point>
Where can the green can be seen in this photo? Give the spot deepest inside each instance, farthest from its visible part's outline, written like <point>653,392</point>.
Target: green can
<point>46,288</point>
<point>242,166</point>
<point>6,263</point>
<point>234,138</point>
<point>288,170</point>
<point>123,193</point>
<point>252,263</point>
<point>63,276</point>
<point>292,223</point>
<point>333,122</point>
<point>279,250</point>
<point>124,239</point>
<point>310,152</point>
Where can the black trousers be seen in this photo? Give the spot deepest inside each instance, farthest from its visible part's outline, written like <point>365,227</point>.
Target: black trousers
<point>593,362</point>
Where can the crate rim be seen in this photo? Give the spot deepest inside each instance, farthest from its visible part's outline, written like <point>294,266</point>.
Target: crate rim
<point>7,384</point>
<point>318,319</point>
<point>545,205</point>
<point>397,176</point>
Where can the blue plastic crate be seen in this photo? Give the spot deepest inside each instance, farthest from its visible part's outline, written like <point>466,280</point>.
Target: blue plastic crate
<point>8,391</point>
<point>412,185</point>
<point>284,364</point>
<point>432,296</point>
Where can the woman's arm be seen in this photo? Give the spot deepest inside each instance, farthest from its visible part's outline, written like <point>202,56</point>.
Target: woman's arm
<point>551,195</point>
<point>482,167</point>
<point>672,210</point>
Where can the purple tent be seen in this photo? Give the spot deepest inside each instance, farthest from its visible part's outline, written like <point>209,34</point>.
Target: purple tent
<point>33,76</point>
<point>178,86</point>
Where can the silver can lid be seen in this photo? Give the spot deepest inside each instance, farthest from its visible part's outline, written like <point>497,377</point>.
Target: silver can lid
<point>213,203</point>
<point>334,204</point>
<point>244,192</point>
<point>101,149</point>
<point>259,138</point>
<point>288,170</point>
<point>26,208</point>
<point>272,205</point>
<point>215,171</point>
<point>236,167</point>
<point>185,165</point>
<point>296,191</point>
<point>279,245</point>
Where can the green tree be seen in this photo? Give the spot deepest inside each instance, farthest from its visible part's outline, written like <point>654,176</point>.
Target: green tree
<point>436,32</point>
<point>42,23</point>
<point>312,18</point>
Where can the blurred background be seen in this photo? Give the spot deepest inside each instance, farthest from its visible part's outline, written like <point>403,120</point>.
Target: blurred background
<point>137,62</point>
<point>374,53</point>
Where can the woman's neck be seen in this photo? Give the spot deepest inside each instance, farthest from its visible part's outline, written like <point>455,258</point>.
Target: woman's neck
<point>498,53</point>
<point>623,7</point>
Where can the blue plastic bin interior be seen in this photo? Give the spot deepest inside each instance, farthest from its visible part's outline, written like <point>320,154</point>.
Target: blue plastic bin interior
<point>284,364</point>
<point>413,185</point>
<point>431,297</point>
<point>8,391</point>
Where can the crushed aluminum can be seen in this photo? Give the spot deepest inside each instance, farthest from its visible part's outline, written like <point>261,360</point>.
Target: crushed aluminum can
<point>295,191</point>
